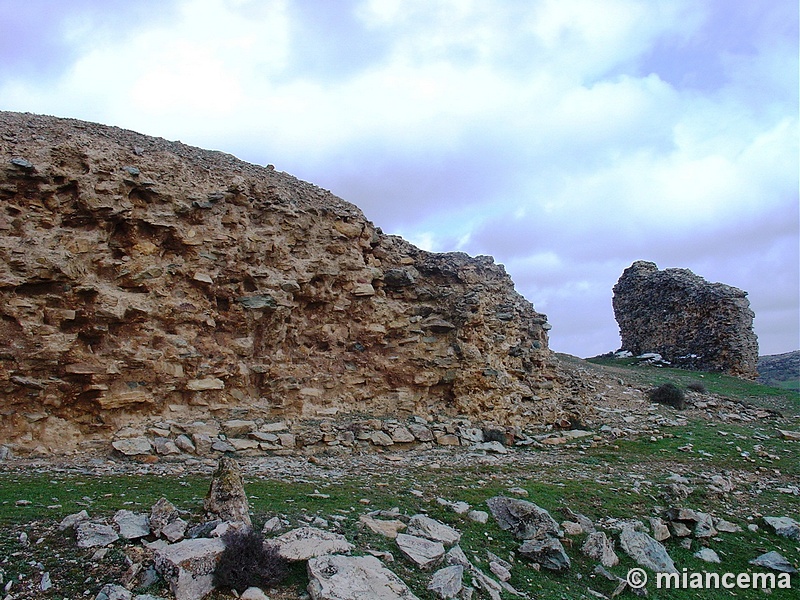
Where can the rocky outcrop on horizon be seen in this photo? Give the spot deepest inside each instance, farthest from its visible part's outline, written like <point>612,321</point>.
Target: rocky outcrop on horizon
<point>690,322</point>
<point>141,277</point>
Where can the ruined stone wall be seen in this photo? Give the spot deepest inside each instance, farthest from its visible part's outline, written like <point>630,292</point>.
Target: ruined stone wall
<point>145,277</point>
<point>690,322</point>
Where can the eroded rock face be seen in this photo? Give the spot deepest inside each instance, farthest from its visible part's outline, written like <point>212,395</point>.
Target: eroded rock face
<point>145,277</point>
<point>690,322</point>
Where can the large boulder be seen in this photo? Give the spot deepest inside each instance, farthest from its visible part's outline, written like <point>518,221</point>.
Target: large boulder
<point>525,520</point>
<point>690,322</point>
<point>188,566</point>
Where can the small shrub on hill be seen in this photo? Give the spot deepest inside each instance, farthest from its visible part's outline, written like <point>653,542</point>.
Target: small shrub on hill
<point>669,394</point>
<point>246,562</point>
<point>697,386</point>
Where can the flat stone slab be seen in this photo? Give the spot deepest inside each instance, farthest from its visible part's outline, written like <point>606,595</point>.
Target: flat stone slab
<point>337,577</point>
<point>92,535</point>
<point>188,566</point>
<point>423,526</point>
<point>133,446</point>
<point>305,543</point>
<point>423,553</point>
<point>646,551</point>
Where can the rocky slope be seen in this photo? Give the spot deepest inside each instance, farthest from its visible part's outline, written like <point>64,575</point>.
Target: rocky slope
<point>142,278</point>
<point>690,322</point>
<point>780,370</point>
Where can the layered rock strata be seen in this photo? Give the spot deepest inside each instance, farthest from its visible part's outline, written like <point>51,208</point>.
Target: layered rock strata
<point>145,277</point>
<point>690,322</point>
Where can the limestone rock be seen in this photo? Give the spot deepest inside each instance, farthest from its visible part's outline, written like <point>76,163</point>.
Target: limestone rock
<point>690,322</point>
<point>388,529</point>
<point>423,526</point>
<point>112,591</point>
<point>92,535</point>
<point>132,525</point>
<point>646,551</point>
<point>423,553</point>
<point>226,499</point>
<point>447,582</point>
<point>188,566</point>
<point>707,555</point>
<point>70,521</point>
<point>133,446</point>
<point>548,552</point>
<point>525,520</point>
<point>774,561</point>
<point>336,577</point>
<point>190,277</point>
<point>785,527</point>
<point>253,593</point>
<point>162,514</point>
<point>599,547</point>
<point>304,543</point>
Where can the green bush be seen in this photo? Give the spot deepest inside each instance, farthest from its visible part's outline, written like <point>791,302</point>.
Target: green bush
<point>669,394</point>
<point>247,562</point>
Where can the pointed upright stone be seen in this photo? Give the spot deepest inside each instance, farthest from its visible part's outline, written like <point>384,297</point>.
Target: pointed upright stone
<point>226,498</point>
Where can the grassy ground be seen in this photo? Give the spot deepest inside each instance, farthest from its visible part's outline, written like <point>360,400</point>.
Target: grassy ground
<point>604,479</point>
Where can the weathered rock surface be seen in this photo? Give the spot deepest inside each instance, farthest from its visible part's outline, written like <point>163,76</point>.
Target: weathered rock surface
<point>333,577</point>
<point>141,278</point>
<point>422,552</point>
<point>690,322</point>
<point>188,566</point>
<point>226,499</point>
<point>548,552</point>
<point>784,526</point>
<point>304,543</point>
<point>646,551</point>
<point>599,547</point>
<point>132,525</point>
<point>775,561</point>
<point>422,526</point>
<point>525,520</point>
<point>91,535</point>
<point>447,582</point>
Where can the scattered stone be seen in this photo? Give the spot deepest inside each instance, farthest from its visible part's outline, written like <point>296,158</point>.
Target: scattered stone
<point>184,442</point>
<point>724,526</point>
<point>422,526</point>
<point>304,543</point>
<point>46,583</point>
<point>253,593</point>
<point>500,571</point>
<point>162,513</point>
<point>518,491</point>
<point>388,529</point>
<point>226,498</point>
<point>273,525</point>
<point>660,529</point>
<point>708,555</point>
<point>705,526</point>
<point>336,577</point>
<point>679,529</point>
<point>165,446</point>
<point>572,528</point>
<point>793,436</point>
<point>423,553</point>
<point>92,535</point>
<point>188,566</point>
<point>133,446</point>
<point>113,592</point>
<point>479,516</point>
<point>776,562</point>
<point>523,519</point>
<point>379,438</point>
<point>70,521</point>
<point>132,526</point>
<point>495,447</point>
<point>447,582</point>
<point>784,527</point>
<point>175,530</point>
<point>646,551</point>
<point>547,552</point>
<point>402,435</point>
<point>599,547</point>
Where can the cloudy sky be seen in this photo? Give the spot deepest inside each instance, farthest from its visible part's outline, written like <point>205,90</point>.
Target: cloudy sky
<point>566,138</point>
